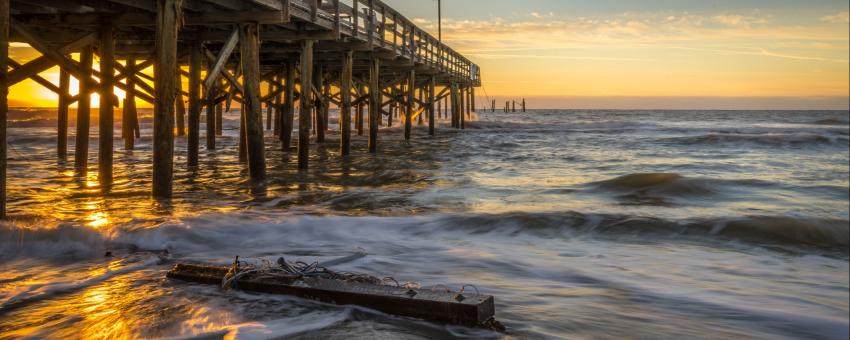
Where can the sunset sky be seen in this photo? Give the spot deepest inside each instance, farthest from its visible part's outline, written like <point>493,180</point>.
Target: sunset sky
<point>637,54</point>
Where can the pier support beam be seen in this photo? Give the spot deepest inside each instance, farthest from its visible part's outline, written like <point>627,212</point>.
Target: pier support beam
<point>472,98</point>
<point>252,108</point>
<point>180,106</point>
<point>304,115</point>
<point>168,18</point>
<point>81,146</point>
<point>107,115</point>
<point>62,119</point>
<point>128,114</point>
<point>288,120</point>
<point>212,108</point>
<point>461,111</point>
<point>4,100</point>
<point>453,100</point>
<point>432,87</point>
<point>318,81</point>
<point>374,103</point>
<point>195,55</point>
<point>278,106</point>
<point>360,111</point>
<point>411,98</point>
<point>345,108</point>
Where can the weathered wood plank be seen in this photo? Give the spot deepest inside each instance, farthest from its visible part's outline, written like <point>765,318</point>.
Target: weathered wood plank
<point>433,305</point>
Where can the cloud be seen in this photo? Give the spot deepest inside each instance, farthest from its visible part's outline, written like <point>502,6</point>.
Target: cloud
<point>605,38</point>
<point>542,16</point>
<point>742,21</point>
<point>842,17</point>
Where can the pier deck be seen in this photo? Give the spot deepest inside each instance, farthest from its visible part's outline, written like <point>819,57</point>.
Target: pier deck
<point>282,59</point>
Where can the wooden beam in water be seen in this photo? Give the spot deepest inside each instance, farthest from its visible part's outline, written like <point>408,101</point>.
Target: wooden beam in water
<point>81,146</point>
<point>410,107</point>
<point>252,108</point>
<point>306,105</point>
<point>106,116</point>
<point>62,119</point>
<point>128,116</point>
<point>168,18</point>
<point>345,108</point>
<point>288,120</point>
<point>278,105</point>
<point>211,95</point>
<point>195,65</point>
<point>374,103</point>
<point>360,111</point>
<point>464,309</point>
<point>180,106</point>
<point>432,88</point>
<point>318,82</point>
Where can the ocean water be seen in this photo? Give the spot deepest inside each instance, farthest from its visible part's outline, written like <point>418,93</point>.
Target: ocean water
<point>583,224</point>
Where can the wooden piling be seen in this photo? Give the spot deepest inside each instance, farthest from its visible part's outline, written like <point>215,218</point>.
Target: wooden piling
<point>461,109</point>
<point>4,100</point>
<point>306,104</point>
<point>472,98</point>
<point>453,100</point>
<point>128,114</point>
<point>211,93</point>
<point>432,88</point>
<point>180,106</point>
<point>62,119</point>
<point>360,108</point>
<point>411,93</point>
<point>251,105</point>
<point>81,146</point>
<point>269,106</point>
<point>278,107</point>
<point>106,116</point>
<point>394,106</point>
<point>289,107</point>
<point>243,150</point>
<point>219,116</point>
<point>318,81</point>
<point>345,108</point>
<point>168,19</point>
<point>523,104</point>
<point>195,60</point>
<point>374,103</point>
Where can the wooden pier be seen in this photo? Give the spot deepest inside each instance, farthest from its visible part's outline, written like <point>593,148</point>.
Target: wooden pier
<point>310,54</point>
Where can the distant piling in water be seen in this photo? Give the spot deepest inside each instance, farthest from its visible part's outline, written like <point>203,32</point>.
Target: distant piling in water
<point>374,57</point>
<point>510,106</point>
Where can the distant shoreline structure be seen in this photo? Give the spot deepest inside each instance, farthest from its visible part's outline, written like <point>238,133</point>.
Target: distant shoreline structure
<point>682,103</point>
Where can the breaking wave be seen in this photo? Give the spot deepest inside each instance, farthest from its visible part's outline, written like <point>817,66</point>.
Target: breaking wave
<point>217,233</point>
<point>768,139</point>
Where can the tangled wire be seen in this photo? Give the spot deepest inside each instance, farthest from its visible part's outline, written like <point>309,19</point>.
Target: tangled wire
<point>285,270</point>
